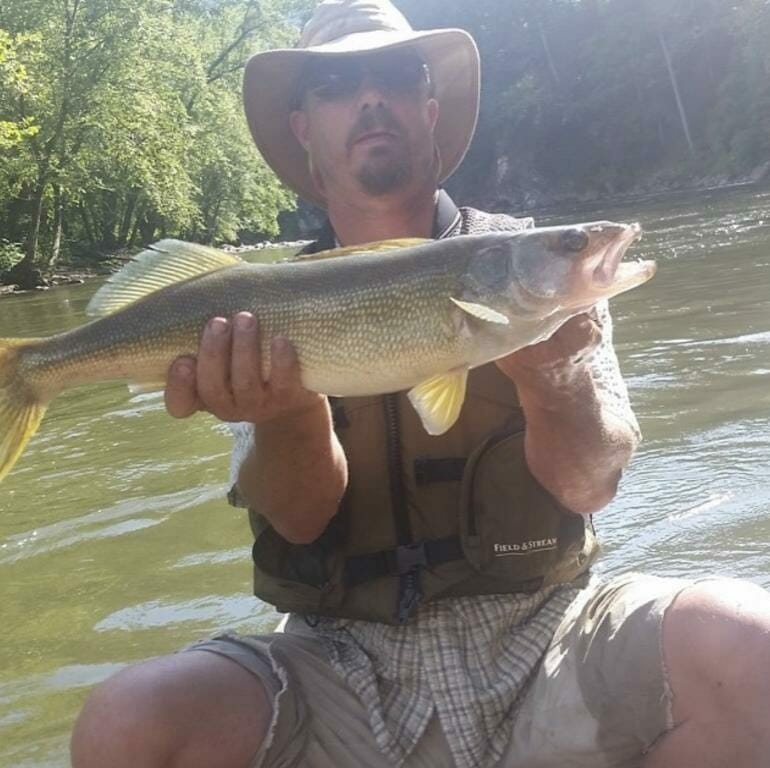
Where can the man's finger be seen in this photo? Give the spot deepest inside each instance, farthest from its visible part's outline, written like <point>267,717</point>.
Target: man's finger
<point>214,368</point>
<point>284,367</point>
<point>246,361</point>
<point>181,394</point>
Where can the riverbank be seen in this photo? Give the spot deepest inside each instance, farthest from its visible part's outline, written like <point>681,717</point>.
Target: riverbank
<point>63,276</point>
<point>535,205</point>
<point>661,186</point>
<point>78,274</point>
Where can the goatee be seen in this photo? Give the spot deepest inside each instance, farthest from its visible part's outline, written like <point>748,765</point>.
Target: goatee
<point>385,174</point>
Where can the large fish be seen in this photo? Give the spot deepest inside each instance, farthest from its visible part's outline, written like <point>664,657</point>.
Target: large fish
<point>385,317</point>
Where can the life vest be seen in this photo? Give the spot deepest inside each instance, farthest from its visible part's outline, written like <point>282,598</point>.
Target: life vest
<point>427,517</point>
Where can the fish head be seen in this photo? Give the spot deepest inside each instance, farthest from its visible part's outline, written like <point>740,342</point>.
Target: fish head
<point>556,269</point>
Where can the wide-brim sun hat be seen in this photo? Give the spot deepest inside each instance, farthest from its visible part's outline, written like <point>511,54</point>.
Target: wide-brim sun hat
<point>355,27</point>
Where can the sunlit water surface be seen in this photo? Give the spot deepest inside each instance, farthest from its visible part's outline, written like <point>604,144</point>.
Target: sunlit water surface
<point>116,544</point>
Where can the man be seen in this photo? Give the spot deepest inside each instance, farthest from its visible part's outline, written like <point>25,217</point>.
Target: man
<point>408,647</point>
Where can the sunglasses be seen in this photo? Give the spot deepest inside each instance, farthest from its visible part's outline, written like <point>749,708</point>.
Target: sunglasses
<point>341,78</point>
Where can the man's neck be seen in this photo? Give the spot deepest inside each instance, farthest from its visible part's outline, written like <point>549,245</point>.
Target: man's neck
<point>383,219</point>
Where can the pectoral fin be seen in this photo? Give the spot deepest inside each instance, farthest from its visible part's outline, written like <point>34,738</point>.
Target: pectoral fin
<point>439,399</point>
<point>481,312</point>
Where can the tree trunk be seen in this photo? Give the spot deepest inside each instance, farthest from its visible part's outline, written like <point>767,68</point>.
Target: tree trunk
<point>125,224</point>
<point>25,274</point>
<point>147,228</point>
<point>548,56</point>
<point>58,221</point>
<point>677,95</point>
<point>89,230</point>
<point>137,225</point>
<point>109,220</point>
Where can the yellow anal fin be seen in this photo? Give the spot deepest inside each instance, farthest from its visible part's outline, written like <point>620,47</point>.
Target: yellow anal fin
<point>162,264</point>
<point>438,400</point>
<point>375,247</point>
<point>481,312</point>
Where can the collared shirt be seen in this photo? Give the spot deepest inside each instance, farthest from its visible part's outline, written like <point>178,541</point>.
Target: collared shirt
<point>467,661</point>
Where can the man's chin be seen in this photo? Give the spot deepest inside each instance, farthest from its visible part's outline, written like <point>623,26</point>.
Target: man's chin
<point>383,178</point>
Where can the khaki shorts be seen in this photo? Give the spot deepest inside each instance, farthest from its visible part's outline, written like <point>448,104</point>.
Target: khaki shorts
<point>600,698</point>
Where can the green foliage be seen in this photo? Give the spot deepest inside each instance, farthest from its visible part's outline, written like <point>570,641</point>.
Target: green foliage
<point>10,255</point>
<point>13,84</point>
<point>121,121</point>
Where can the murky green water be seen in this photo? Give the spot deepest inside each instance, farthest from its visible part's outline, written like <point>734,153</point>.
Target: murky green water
<point>115,542</point>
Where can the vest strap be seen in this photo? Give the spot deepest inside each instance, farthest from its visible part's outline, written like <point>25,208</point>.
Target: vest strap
<point>401,560</point>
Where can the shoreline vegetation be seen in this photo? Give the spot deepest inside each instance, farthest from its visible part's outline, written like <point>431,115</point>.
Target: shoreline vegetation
<point>67,274</point>
<point>120,126</point>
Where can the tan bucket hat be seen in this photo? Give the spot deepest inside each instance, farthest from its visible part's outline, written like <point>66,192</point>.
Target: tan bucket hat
<point>340,27</point>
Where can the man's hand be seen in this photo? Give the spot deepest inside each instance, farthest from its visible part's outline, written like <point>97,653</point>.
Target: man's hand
<point>574,445</point>
<point>226,377</point>
<point>556,358</point>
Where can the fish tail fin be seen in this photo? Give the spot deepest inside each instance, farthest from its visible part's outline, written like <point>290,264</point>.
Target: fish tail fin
<point>21,409</point>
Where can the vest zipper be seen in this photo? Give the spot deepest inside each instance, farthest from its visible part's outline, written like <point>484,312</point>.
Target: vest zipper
<point>409,591</point>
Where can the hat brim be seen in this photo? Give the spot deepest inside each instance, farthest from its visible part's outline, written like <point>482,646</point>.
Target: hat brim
<point>270,78</point>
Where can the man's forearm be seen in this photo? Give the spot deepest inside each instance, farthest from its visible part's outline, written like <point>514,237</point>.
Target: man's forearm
<point>296,473</point>
<point>575,446</point>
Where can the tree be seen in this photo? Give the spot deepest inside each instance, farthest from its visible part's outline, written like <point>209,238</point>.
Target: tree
<point>140,130</point>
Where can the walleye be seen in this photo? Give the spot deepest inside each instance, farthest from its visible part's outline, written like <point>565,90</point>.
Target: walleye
<point>384,317</point>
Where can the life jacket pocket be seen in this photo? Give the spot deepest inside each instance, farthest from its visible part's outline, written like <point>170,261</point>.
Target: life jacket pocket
<point>511,528</point>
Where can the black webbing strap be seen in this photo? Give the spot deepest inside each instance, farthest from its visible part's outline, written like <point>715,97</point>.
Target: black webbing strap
<point>447,216</point>
<point>401,560</point>
<point>444,470</point>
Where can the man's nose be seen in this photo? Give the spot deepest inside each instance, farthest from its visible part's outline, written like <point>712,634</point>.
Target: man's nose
<point>371,93</point>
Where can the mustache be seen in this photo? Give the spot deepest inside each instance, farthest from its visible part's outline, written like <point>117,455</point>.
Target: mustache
<point>373,120</point>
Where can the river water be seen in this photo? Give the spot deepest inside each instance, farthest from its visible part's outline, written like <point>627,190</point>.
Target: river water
<point>116,544</point>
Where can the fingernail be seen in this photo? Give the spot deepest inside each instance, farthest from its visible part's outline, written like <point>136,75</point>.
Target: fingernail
<point>244,321</point>
<point>183,369</point>
<point>218,326</point>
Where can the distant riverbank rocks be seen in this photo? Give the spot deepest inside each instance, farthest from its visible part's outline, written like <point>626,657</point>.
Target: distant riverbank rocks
<point>52,281</point>
<point>263,245</point>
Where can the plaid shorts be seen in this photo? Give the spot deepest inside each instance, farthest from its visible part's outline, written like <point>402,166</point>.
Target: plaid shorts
<point>599,699</point>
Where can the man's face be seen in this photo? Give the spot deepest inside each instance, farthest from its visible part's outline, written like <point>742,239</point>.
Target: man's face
<point>367,124</point>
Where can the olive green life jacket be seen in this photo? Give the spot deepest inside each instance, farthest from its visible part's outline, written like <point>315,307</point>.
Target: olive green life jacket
<point>427,517</point>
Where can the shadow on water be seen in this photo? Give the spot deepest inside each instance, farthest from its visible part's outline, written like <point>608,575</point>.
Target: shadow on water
<point>116,544</point>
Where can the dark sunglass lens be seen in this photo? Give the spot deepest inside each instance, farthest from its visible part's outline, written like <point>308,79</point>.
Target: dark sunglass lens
<point>340,79</point>
<point>335,81</point>
<point>401,75</point>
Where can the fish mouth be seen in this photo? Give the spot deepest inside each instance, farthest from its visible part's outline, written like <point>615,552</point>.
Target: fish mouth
<point>612,275</point>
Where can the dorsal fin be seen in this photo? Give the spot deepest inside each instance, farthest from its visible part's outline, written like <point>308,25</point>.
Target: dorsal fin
<point>375,247</point>
<point>162,264</point>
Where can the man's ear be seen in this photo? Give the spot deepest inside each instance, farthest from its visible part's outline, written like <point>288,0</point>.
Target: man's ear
<point>300,127</point>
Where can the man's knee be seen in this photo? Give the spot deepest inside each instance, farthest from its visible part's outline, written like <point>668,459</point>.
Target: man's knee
<point>193,709</point>
<point>716,646</point>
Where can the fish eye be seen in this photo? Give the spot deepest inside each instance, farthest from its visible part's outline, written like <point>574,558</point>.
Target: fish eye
<point>574,240</point>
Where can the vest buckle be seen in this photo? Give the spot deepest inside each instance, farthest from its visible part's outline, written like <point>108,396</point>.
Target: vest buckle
<point>410,557</point>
